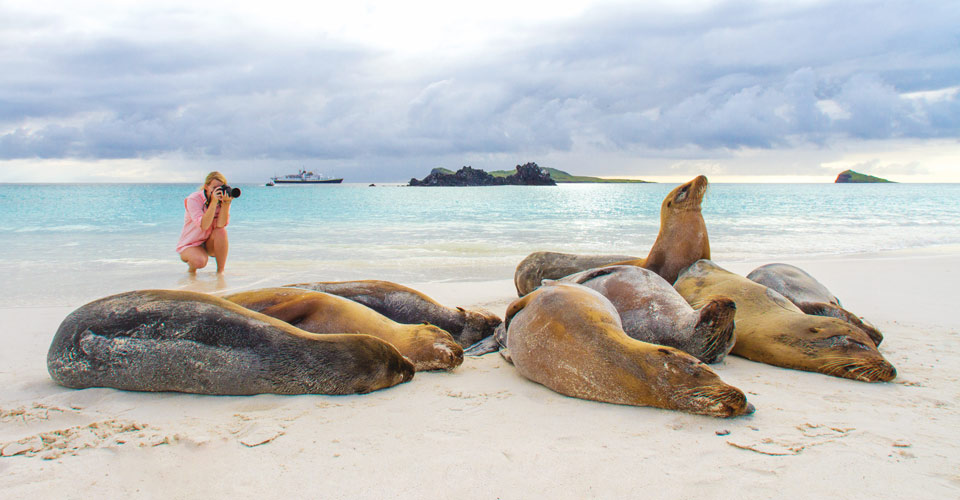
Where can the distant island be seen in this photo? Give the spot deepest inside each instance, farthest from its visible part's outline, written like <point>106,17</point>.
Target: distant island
<point>529,174</point>
<point>562,177</point>
<point>849,176</point>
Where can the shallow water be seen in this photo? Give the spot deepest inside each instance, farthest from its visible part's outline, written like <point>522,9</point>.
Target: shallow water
<point>63,244</point>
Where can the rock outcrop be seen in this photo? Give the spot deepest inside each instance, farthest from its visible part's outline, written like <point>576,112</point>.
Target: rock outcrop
<point>529,174</point>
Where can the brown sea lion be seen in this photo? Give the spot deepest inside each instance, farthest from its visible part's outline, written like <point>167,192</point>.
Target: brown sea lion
<point>426,346</point>
<point>538,266</point>
<point>406,305</point>
<point>809,295</point>
<point>770,329</point>
<point>162,340</point>
<point>569,338</point>
<point>682,240</point>
<point>652,311</point>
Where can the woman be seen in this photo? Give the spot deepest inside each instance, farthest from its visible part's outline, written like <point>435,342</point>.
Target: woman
<point>205,225</point>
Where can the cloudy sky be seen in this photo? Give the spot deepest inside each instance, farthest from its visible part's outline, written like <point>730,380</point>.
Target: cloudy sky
<point>745,90</point>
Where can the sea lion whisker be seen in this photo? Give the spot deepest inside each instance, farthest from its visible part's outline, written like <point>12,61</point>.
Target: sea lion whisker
<point>709,392</point>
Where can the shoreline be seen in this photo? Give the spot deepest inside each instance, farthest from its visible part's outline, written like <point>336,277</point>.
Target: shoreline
<point>482,431</point>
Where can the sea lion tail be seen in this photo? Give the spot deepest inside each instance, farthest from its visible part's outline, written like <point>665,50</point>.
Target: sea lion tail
<point>715,328</point>
<point>835,311</point>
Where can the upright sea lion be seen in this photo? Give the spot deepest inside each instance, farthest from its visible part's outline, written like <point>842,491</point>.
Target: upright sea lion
<point>770,329</point>
<point>161,340</point>
<point>809,295</point>
<point>426,346</point>
<point>406,305</point>
<point>682,240</point>
<point>652,311</point>
<point>570,339</point>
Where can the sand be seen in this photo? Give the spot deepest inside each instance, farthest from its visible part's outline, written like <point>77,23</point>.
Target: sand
<point>483,431</point>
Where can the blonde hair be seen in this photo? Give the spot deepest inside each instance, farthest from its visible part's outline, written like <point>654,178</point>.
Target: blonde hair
<point>214,176</point>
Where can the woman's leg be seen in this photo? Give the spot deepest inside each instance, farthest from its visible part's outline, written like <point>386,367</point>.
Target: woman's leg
<point>218,246</point>
<point>195,257</point>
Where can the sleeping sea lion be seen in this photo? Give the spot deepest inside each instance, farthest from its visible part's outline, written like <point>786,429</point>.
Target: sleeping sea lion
<point>569,338</point>
<point>809,295</point>
<point>652,311</point>
<point>682,240</point>
<point>770,329</point>
<point>426,346</point>
<point>406,305</point>
<point>538,266</point>
<point>162,340</point>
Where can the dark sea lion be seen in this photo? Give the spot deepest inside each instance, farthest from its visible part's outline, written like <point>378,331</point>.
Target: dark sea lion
<point>809,295</point>
<point>770,329</point>
<point>426,346</point>
<point>162,340</point>
<point>406,305</point>
<point>569,338</point>
<point>682,240</point>
<point>652,311</point>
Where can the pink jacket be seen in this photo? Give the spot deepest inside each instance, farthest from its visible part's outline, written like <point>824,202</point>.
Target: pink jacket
<point>192,235</point>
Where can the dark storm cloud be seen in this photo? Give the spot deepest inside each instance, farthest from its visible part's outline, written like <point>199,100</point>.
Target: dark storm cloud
<point>737,75</point>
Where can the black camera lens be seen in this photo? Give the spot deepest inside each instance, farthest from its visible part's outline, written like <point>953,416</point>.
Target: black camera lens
<point>232,191</point>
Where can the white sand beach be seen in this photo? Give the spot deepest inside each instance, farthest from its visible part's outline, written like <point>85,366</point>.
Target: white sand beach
<point>483,431</point>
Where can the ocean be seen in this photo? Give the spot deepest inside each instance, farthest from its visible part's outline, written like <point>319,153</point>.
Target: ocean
<point>66,244</point>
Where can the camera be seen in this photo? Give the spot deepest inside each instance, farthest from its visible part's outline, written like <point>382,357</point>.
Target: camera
<point>232,191</point>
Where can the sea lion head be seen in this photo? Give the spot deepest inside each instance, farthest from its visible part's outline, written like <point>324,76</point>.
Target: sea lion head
<point>477,324</point>
<point>715,328</point>
<point>843,350</point>
<point>696,388</point>
<point>434,346</point>
<point>686,196</point>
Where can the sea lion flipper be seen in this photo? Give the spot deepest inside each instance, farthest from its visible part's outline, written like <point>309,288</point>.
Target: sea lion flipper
<point>586,276</point>
<point>632,262</point>
<point>834,311</point>
<point>715,327</point>
<point>291,311</point>
<point>483,346</point>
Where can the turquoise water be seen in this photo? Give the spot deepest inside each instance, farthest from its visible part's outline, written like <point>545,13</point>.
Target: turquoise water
<point>67,244</point>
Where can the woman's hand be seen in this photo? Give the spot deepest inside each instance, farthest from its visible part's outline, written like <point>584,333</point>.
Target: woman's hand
<point>222,196</point>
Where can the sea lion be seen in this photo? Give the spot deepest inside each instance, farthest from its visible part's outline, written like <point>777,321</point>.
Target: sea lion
<point>538,266</point>
<point>406,305</point>
<point>570,339</point>
<point>809,295</point>
<point>652,311</point>
<point>770,329</point>
<point>426,346</point>
<point>162,340</point>
<point>682,240</point>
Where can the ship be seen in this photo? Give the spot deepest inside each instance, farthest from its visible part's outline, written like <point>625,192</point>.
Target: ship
<point>305,177</point>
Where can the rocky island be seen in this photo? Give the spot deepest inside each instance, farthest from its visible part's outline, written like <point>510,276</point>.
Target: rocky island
<point>849,176</point>
<point>529,174</point>
<point>563,177</point>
